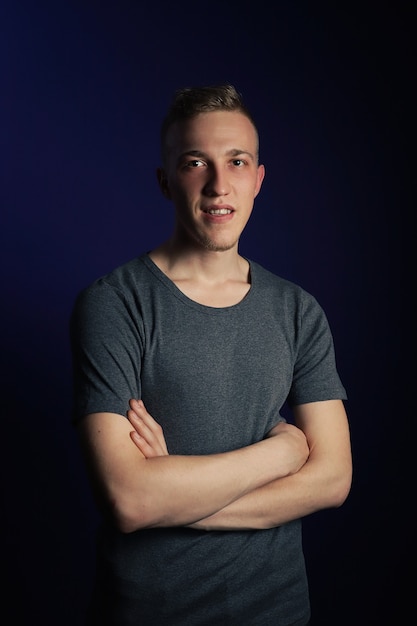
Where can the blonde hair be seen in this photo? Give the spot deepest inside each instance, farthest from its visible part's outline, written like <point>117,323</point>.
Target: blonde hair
<point>190,101</point>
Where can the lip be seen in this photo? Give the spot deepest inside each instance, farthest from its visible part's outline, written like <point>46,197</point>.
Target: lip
<point>218,218</point>
<point>218,207</point>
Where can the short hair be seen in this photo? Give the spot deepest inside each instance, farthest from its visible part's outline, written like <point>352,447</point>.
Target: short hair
<point>190,101</point>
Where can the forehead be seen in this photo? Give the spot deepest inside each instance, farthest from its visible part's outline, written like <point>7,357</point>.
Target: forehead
<point>213,131</point>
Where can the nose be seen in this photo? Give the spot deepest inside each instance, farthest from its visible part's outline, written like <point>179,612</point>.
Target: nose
<point>217,183</point>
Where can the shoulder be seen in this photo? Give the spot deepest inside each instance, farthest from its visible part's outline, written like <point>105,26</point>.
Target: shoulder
<point>273,286</point>
<point>287,301</point>
<point>122,280</point>
<point>115,291</point>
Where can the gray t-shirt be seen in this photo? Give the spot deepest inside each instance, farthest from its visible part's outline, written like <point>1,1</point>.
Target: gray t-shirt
<point>216,379</point>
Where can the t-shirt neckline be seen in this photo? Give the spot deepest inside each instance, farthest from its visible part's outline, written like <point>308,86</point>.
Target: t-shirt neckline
<point>176,291</point>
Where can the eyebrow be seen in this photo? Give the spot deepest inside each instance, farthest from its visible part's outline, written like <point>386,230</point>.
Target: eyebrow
<point>234,152</point>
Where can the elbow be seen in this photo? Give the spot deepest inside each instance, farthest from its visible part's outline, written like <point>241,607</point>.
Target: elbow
<point>124,516</point>
<point>129,508</point>
<point>341,490</point>
<point>340,496</point>
<point>125,524</point>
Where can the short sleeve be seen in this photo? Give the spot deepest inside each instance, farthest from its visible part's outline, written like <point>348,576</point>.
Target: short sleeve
<point>315,376</point>
<point>106,344</point>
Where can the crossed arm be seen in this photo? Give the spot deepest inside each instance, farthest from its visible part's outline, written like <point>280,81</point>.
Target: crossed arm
<point>293,472</point>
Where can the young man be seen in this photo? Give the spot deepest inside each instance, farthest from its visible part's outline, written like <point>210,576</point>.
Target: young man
<point>183,359</point>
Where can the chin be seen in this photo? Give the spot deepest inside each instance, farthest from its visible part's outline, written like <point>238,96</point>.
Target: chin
<point>219,246</point>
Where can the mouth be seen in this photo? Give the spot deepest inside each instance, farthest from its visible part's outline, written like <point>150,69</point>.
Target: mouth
<point>218,210</point>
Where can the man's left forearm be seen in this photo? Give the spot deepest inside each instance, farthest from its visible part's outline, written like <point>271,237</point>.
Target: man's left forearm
<point>283,500</point>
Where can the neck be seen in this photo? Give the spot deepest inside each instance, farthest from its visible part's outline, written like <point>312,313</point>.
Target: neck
<point>181,262</point>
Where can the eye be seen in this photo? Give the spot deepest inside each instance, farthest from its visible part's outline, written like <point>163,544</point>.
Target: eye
<point>238,162</point>
<point>194,163</point>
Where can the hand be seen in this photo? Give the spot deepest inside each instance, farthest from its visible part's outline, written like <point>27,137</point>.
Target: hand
<point>295,443</point>
<point>148,435</point>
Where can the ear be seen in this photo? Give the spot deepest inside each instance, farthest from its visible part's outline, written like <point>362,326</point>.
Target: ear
<point>260,178</point>
<point>163,182</point>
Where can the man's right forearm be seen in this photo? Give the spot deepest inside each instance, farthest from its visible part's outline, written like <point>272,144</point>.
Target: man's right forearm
<point>178,490</point>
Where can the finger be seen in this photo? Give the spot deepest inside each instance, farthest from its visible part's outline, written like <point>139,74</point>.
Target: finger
<point>151,447</point>
<point>146,421</point>
<point>146,426</point>
<point>140,411</point>
<point>141,428</point>
<point>138,415</point>
<point>136,405</point>
<point>139,408</point>
<point>134,418</point>
<point>152,437</point>
<point>143,423</point>
<point>147,450</point>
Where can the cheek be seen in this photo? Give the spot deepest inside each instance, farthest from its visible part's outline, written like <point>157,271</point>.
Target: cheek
<point>177,193</point>
<point>182,189</point>
<point>252,189</point>
<point>182,200</point>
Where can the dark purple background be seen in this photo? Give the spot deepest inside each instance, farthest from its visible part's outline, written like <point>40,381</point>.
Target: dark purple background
<point>83,88</point>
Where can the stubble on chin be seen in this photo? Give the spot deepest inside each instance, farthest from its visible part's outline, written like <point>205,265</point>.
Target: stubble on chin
<point>202,239</point>
<point>215,246</point>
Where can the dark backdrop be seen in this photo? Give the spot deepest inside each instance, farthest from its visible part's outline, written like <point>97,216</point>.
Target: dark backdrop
<point>83,88</point>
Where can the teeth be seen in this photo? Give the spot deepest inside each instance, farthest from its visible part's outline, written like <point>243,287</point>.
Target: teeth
<point>219,211</point>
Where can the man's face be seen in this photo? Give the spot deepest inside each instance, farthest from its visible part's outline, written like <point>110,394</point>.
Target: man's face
<point>212,176</point>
